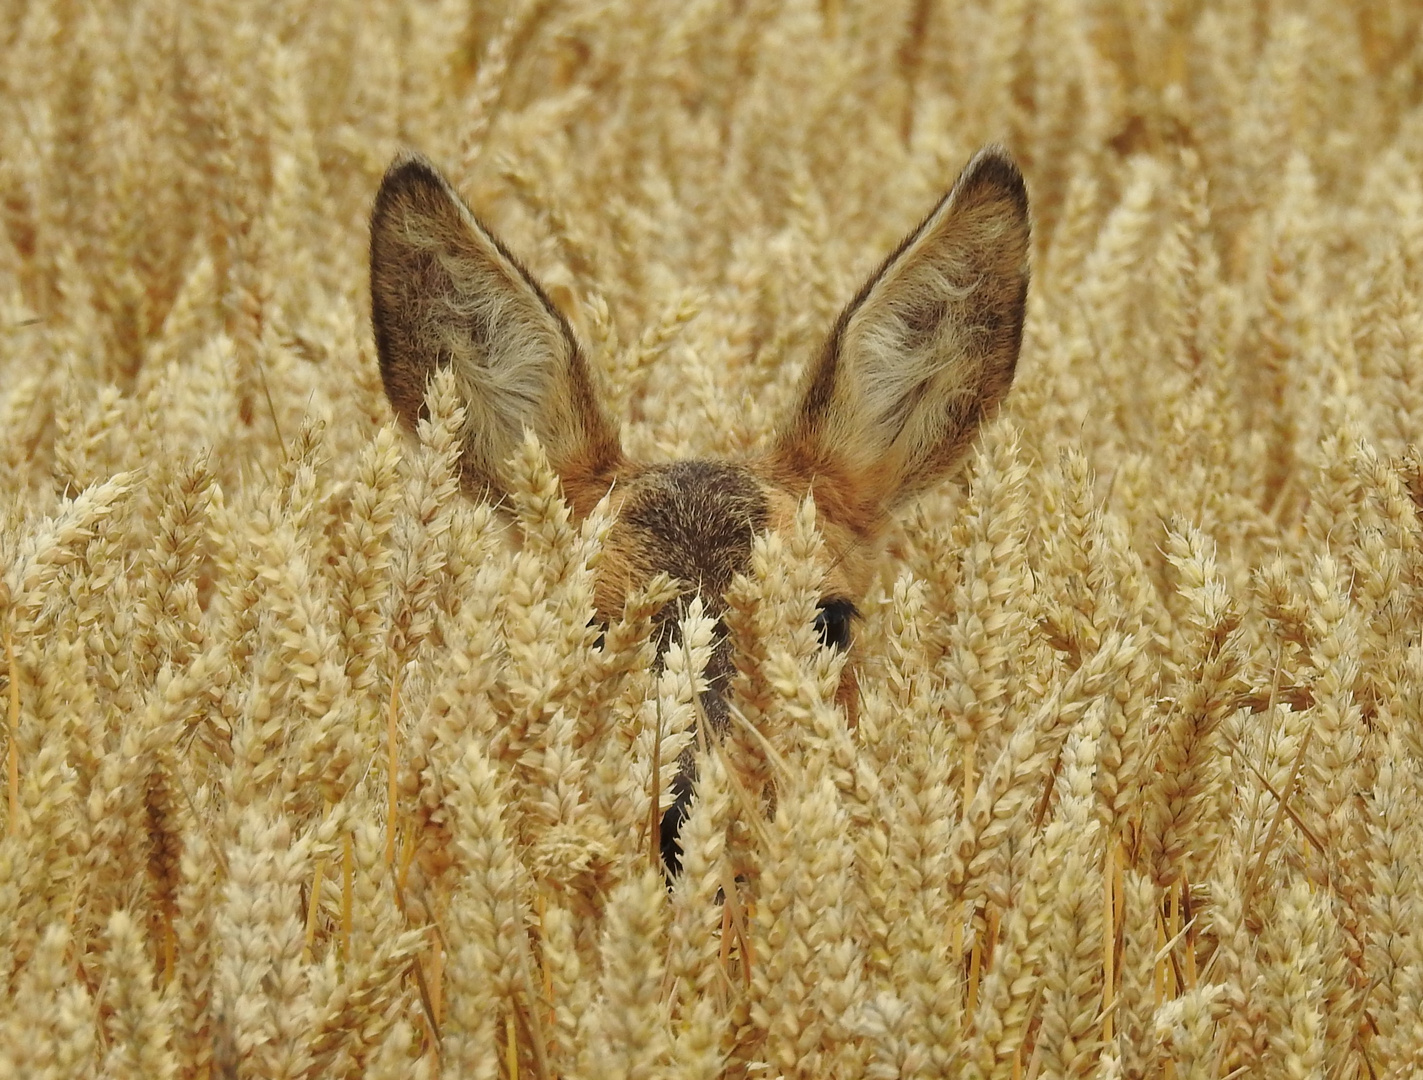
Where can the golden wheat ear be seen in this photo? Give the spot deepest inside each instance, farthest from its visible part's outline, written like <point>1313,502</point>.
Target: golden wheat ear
<point>444,290</point>
<point>923,353</point>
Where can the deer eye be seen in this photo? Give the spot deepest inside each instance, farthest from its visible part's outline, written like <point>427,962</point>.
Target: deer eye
<point>833,623</point>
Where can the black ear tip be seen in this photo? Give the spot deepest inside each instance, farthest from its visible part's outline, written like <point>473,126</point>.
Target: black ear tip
<point>411,175</point>
<point>410,164</point>
<point>993,173</point>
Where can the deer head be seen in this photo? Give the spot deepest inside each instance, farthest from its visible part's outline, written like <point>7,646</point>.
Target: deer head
<point>915,362</point>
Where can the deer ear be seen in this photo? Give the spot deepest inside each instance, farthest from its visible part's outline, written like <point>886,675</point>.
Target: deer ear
<point>445,291</point>
<point>917,360</point>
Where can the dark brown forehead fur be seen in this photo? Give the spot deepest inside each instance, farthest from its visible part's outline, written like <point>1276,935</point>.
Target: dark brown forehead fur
<point>694,520</point>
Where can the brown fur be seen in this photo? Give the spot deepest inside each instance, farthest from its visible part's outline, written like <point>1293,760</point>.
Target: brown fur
<point>919,358</point>
<point>915,362</point>
<point>445,291</point>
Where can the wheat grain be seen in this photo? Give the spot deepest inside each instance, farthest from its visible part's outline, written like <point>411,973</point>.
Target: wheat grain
<point>321,759</point>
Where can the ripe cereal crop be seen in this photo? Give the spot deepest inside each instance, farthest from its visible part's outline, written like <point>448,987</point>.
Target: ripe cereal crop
<point>326,750</point>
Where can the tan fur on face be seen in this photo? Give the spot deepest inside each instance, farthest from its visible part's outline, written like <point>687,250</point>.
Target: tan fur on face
<point>706,519</point>
<point>917,359</point>
<point>850,557</point>
<point>692,520</point>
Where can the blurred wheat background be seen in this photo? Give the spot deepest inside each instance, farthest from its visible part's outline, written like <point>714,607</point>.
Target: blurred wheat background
<point>314,768</point>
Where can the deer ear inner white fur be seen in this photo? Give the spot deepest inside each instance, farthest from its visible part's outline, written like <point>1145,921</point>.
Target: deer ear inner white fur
<point>924,352</point>
<point>445,291</point>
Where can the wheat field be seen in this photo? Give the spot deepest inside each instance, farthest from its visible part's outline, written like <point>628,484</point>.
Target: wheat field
<point>314,767</point>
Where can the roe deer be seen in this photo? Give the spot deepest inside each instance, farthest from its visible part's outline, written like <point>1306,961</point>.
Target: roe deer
<point>908,372</point>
